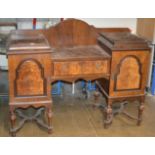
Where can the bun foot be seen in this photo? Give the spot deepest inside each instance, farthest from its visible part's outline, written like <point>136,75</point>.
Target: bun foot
<point>50,131</point>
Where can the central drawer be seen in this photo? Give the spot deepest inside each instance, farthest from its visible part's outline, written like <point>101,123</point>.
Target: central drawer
<point>81,67</point>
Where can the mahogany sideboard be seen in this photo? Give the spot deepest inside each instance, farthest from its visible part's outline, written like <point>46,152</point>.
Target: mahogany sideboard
<point>70,51</point>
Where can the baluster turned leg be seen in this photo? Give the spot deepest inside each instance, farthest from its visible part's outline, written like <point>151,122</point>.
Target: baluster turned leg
<point>108,114</point>
<point>49,116</point>
<point>140,111</point>
<point>13,121</point>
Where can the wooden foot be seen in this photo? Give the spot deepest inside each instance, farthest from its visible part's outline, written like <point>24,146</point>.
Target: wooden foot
<point>13,134</point>
<point>108,115</point>
<point>13,121</point>
<point>49,116</point>
<point>140,112</point>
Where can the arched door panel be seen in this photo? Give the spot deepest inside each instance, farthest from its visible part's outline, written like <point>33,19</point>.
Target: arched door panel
<point>29,79</point>
<point>128,75</point>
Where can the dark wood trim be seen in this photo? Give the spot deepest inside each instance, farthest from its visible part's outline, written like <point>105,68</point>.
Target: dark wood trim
<point>74,78</point>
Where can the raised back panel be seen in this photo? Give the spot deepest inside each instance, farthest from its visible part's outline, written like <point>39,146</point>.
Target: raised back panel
<point>29,79</point>
<point>84,34</point>
<point>71,32</point>
<point>129,74</point>
<point>62,34</point>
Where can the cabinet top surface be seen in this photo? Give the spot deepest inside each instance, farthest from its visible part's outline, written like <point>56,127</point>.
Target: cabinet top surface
<point>123,41</point>
<point>25,40</point>
<point>122,37</point>
<point>79,53</point>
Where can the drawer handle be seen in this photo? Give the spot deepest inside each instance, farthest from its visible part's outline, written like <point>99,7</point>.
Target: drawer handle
<point>64,67</point>
<point>98,66</point>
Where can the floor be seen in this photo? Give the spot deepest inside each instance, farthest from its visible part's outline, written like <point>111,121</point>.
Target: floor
<point>75,116</point>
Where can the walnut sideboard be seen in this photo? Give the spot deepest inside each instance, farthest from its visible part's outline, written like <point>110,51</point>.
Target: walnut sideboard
<point>70,51</point>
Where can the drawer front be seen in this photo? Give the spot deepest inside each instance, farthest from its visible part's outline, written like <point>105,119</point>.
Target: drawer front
<point>81,67</point>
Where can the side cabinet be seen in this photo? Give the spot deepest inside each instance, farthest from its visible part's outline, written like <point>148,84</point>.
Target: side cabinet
<point>128,71</point>
<point>29,61</point>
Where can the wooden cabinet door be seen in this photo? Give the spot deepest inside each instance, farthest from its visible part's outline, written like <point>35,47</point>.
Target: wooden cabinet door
<point>128,72</point>
<point>30,79</point>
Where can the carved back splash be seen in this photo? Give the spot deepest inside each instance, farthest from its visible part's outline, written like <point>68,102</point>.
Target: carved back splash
<point>72,32</point>
<point>29,79</point>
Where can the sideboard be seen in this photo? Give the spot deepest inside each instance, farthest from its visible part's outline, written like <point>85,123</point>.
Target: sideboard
<point>116,59</point>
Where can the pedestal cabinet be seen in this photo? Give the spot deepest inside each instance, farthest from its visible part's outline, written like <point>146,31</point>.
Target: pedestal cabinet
<point>29,61</point>
<point>129,70</point>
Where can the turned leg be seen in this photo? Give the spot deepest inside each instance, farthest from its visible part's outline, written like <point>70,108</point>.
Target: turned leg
<point>108,114</point>
<point>13,121</point>
<point>49,116</point>
<point>140,111</point>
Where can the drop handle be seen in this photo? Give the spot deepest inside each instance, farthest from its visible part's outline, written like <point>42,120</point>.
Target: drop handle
<point>98,66</point>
